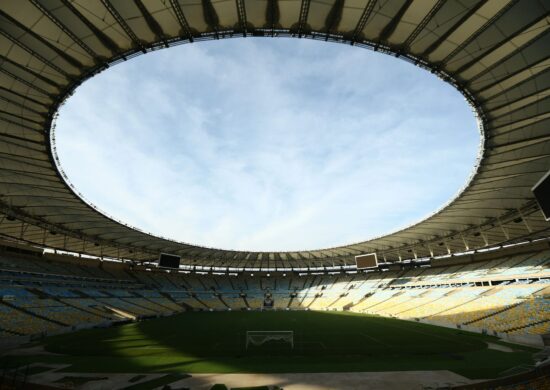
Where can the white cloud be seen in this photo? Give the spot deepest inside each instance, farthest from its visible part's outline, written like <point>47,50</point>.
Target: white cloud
<point>267,144</point>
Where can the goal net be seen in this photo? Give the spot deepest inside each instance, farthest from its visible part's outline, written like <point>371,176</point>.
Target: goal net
<point>259,337</point>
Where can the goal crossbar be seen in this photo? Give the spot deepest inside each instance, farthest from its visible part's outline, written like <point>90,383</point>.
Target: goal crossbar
<point>259,337</point>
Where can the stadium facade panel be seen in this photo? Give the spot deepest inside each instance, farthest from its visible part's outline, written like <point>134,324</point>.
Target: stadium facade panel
<point>494,52</point>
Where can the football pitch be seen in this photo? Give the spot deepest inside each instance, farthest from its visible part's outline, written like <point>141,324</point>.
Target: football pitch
<point>214,342</point>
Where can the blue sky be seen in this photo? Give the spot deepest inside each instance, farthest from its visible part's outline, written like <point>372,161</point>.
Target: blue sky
<point>267,144</point>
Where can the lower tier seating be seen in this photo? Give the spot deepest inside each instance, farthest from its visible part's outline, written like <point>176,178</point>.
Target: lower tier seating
<point>505,295</point>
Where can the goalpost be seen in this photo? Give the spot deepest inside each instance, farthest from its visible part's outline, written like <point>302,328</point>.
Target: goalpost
<point>259,337</point>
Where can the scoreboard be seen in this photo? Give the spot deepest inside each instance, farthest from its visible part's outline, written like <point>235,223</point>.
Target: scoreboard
<point>169,261</point>
<point>366,261</point>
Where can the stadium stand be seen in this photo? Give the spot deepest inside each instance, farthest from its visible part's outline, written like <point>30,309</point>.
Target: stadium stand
<point>504,295</point>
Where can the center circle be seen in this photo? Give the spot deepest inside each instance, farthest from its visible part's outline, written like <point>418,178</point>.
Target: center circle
<point>261,144</point>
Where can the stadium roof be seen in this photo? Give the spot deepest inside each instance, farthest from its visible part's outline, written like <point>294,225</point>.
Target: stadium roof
<point>496,52</point>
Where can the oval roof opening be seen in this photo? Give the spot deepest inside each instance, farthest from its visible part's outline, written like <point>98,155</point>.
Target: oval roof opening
<point>261,144</point>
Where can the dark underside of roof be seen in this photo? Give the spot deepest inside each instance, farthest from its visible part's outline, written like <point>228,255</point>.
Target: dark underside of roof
<point>496,52</point>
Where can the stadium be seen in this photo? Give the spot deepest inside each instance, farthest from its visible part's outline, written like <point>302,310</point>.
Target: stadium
<point>458,300</point>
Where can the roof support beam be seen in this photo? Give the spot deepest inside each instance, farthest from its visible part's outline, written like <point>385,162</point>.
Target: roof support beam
<point>122,23</point>
<point>21,117</point>
<point>30,71</point>
<point>519,143</point>
<point>22,138</point>
<point>26,108</point>
<point>511,80</point>
<point>430,49</point>
<point>410,39</point>
<point>37,162</point>
<point>35,54</point>
<point>363,20</point>
<point>302,21</point>
<point>69,59</point>
<point>151,22</point>
<point>518,124</point>
<point>241,12</point>
<point>181,19</point>
<point>100,35</point>
<point>500,44</point>
<point>66,30</point>
<point>26,97</point>
<point>525,221</point>
<point>504,231</point>
<point>484,236</point>
<point>476,34</point>
<point>28,84</point>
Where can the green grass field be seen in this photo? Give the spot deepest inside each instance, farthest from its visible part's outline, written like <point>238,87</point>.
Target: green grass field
<point>203,342</point>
